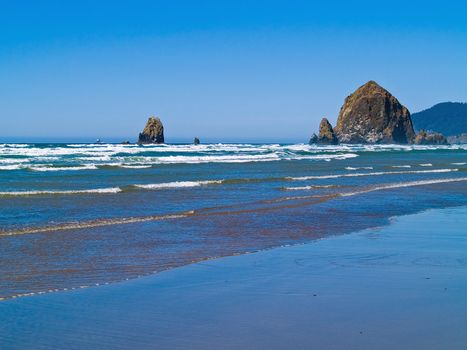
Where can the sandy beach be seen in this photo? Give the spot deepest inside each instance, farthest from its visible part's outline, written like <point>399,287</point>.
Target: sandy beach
<point>403,286</point>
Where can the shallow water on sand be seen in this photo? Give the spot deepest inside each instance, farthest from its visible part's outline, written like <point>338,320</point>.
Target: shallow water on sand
<point>82,214</point>
<point>403,286</point>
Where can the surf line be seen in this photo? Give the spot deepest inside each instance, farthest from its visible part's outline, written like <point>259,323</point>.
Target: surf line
<point>305,200</point>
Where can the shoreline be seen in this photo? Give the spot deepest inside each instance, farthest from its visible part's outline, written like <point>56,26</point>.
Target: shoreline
<point>233,283</point>
<point>388,221</point>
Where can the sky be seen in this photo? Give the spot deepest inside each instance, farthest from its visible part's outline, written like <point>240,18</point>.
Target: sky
<point>219,70</point>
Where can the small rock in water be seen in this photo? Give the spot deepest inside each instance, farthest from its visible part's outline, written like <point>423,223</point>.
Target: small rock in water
<point>153,132</point>
<point>430,138</point>
<point>326,133</point>
<point>196,141</point>
<point>313,139</point>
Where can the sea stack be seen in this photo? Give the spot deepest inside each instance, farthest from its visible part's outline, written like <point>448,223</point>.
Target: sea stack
<point>196,141</point>
<point>326,133</point>
<point>153,132</point>
<point>372,115</point>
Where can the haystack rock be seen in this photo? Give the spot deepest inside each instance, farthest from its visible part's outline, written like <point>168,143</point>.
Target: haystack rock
<point>430,138</point>
<point>326,134</point>
<point>372,115</point>
<point>196,141</point>
<point>153,132</point>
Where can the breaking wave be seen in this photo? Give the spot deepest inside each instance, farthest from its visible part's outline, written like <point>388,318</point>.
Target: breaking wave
<point>378,173</point>
<point>59,192</point>
<point>178,184</point>
<point>69,168</point>
<point>201,212</point>
<point>404,184</point>
<point>358,168</point>
<point>311,187</point>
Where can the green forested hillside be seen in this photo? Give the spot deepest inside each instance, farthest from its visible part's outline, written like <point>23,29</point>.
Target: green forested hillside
<point>448,118</point>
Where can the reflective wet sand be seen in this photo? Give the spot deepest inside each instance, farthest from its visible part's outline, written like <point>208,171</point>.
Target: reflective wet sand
<point>403,286</point>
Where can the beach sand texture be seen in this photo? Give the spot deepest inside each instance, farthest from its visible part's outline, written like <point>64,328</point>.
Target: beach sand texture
<point>403,286</point>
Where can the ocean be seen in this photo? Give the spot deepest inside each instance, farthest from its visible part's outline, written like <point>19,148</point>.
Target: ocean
<point>79,215</point>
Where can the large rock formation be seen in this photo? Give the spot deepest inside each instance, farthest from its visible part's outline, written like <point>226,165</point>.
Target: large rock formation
<point>196,141</point>
<point>153,132</point>
<point>430,138</point>
<point>372,115</point>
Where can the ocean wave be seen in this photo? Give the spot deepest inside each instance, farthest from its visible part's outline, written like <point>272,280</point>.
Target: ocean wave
<point>311,187</point>
<point>14,160</point>
<point>201,212</point>
<point>426,164</point>
<point>325,157</point>
<point>335,176</point>
<point>216,159</point>
<point>178,184</point>
<point>14,145</point>
<point>403,184</point>
<point>69,168</point>
<point>462,163</point>
<point>12,167</point>
<point>59,192</point>
<point>89,156</point>
<point>401,166</point>
<point>358,168</point>
<point>109,190</point>
<point>128,166</point>
<point>93,224</point>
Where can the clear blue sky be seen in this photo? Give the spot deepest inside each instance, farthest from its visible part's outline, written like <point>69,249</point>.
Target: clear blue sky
<point>223,70</point>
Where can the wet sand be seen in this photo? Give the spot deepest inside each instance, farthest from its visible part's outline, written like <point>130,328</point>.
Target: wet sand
<point>403,286</point>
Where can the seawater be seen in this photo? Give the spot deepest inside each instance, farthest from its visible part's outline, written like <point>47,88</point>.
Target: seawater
<point>77,215</point>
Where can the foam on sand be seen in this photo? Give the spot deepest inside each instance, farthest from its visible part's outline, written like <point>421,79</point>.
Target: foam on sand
<point>93,224</point>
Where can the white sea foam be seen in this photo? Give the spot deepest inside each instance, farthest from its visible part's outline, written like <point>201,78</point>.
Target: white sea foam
<point>90,156</point>
<point>128,166</point>
<point>462,163</point>
<point>358,168</point>
<point>426,164</point>
<point>325,157</point>
<point>96,223</point>
<point>216,159</point>
<point>69,168</point>
<point>14,145</point>
<point>401,166</point>
<point>404,184</point>
<point>11,167</point>
<point>178,184</point>
<point>301,188</point>
<point>59,192</point>
<point>14,160</point>
<point>335,176</point>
